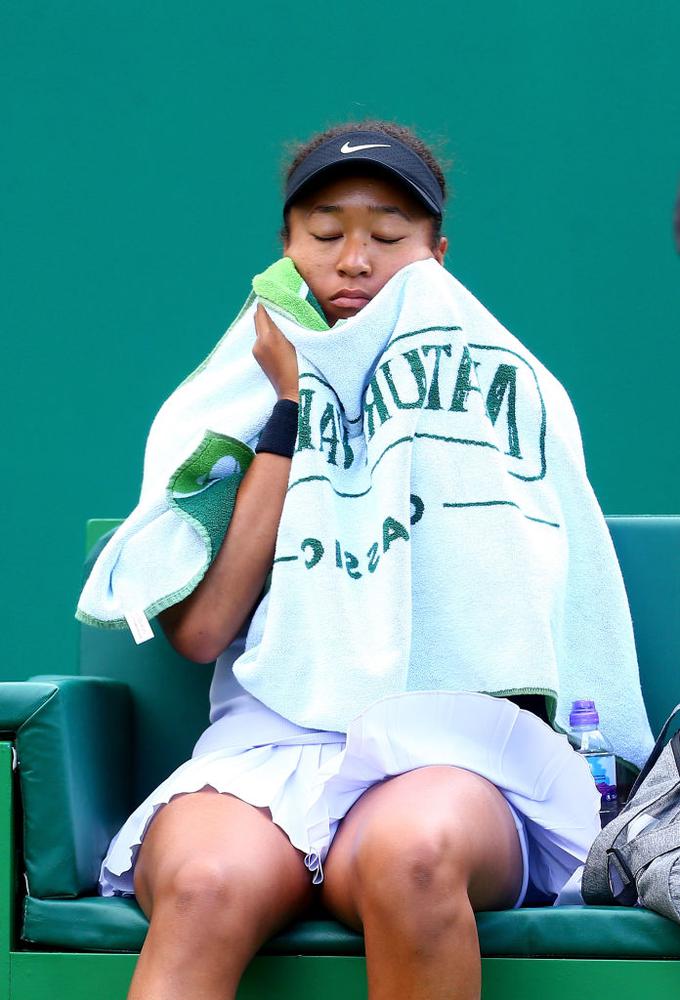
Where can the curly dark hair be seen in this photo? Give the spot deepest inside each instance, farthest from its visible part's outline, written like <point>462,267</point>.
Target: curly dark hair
<point>296,151</point>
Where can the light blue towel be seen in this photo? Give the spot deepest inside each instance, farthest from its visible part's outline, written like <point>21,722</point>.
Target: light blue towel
<point>439,531</point>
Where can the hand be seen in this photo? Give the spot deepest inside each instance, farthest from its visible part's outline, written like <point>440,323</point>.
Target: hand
<point>275,355</point>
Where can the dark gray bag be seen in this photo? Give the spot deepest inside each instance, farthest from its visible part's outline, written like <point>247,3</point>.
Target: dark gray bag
<point>636,856</point>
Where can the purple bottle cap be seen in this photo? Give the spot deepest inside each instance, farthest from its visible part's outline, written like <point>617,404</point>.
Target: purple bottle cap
<point>583,713</point>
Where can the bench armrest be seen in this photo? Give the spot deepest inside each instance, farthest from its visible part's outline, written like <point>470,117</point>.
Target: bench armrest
<point>72,737</point>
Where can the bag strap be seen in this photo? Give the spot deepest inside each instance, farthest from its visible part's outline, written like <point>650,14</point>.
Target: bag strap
<point>595,881</point>
<point>656,752</point>
<point>628,894</point>
<point>647,846</point>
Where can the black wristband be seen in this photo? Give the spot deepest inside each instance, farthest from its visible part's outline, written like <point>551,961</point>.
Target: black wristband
<point>279,434</point>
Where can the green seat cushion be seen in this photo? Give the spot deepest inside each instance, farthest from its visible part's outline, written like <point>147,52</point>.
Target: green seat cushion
<point>19,701</point>
<point>116,924</point>
<point>73,762</point>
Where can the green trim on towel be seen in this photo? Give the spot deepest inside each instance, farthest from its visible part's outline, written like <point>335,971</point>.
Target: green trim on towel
<point>281,286</point>
<point>208,508</point>
<point>193,475</point>
<point>115,623</point>
<point>548,693</point>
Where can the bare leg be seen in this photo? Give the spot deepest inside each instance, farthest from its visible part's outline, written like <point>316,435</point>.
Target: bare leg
<point>410,863</point>
<point>217,878</point>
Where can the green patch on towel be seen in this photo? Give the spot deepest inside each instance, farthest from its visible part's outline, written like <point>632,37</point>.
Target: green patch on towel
<point>203,492</point>
<point>282,287</point>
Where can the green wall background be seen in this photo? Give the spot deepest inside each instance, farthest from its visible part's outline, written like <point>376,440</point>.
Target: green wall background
<point>141,190</point>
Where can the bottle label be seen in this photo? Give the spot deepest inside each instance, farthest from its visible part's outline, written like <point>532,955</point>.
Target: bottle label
<point>603,768</point>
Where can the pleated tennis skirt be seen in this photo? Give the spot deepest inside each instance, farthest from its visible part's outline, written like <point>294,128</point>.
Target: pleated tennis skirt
<point>309,787</point>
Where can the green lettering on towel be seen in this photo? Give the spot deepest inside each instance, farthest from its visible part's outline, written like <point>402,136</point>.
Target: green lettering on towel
<point>304,420</point>
<point>328,420</point>
<point>375,403</point>
<point>351,564</point>
<point>463,384</point>
<point>349,454</point>
<point>317,551</point>
<point>393,529</point>
<point>504,380</point>
<point>418,508</point>
<point>373,558</point>
<point>433,400</point>
<point>418,372</point>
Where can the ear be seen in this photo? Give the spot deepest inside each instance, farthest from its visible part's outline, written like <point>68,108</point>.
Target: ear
<point>441,251</point>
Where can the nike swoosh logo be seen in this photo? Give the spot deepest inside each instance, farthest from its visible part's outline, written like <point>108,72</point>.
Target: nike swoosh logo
<point>346,148</point>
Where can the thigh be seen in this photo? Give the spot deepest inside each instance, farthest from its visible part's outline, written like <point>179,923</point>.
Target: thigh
<point>430,809</point>
<point>215,844</point>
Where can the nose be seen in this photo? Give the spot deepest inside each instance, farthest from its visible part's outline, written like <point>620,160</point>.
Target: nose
<point>354,257</point>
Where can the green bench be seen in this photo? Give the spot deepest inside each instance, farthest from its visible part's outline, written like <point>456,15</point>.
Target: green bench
<point>79,752</point>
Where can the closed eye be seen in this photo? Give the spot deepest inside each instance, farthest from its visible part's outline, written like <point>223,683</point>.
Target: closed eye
<point>380,239</point>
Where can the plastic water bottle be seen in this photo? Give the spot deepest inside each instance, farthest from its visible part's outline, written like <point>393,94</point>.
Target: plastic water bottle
<point>585,736</point>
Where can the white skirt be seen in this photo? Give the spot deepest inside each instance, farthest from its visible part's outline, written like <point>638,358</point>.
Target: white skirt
<point>309,787</point>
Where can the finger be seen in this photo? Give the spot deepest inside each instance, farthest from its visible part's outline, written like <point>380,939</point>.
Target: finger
<point>265,320</point>
<point>260,313</point>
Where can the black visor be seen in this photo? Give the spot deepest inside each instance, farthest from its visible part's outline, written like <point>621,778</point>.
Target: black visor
<point>370,147</point>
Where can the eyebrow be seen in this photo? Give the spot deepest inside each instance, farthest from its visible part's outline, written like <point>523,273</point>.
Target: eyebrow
<point>385,209</point>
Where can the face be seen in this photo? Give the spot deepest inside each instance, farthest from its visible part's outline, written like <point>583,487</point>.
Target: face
<point>352,234</point>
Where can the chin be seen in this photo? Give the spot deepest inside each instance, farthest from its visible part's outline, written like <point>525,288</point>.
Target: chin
<point>345,311</point>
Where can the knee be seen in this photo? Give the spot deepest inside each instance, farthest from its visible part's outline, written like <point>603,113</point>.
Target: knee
<point>204,892</point>
<point>417,873</point>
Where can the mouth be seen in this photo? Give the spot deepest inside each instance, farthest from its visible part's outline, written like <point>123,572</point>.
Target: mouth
<point>350,298</point>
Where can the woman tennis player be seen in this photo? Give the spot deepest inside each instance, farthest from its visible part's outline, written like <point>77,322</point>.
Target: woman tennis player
<point>417,853</point>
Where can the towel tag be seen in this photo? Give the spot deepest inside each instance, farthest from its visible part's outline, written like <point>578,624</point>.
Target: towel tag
<point>139,626</point>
